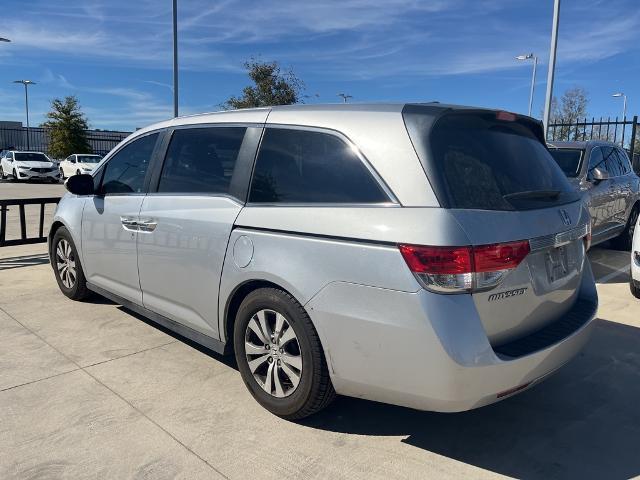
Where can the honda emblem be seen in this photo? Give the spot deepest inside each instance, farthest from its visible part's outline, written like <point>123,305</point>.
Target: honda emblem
<point>566,219</point>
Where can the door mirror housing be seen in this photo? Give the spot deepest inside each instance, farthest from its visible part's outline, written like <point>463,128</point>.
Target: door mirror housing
<point>80,184</point>
<point>597,175</point>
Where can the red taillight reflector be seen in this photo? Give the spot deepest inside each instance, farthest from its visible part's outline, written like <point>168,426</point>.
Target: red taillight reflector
<point>506,116</point>
<point>437,260</point>
<point>500,256</point>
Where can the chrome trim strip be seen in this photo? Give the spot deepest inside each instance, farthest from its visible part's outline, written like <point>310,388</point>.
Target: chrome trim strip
<point>559,239</point>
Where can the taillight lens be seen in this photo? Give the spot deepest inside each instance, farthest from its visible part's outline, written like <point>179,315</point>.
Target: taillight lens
<point>463,269</point>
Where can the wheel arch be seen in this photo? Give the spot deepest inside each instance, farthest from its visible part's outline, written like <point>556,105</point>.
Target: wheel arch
<point>235,298</point>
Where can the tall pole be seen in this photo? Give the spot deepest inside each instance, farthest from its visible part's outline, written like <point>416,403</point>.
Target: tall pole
<point>552,65</point>
<point>533,83</point>
<point>26,104</point>
<point>175,58</point>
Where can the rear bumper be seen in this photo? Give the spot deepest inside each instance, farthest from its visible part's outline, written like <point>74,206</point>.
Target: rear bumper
<point>428,351</point>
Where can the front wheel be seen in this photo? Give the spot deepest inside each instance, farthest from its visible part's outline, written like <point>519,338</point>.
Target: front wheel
<point>67,267</point>
<point>279,355</point>
<point>635,288</point>
<point>62,174</point>
<point>15,175</point>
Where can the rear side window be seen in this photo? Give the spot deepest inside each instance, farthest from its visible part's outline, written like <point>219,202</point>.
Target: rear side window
<point>614,166</point>
<point>568,159</point>
<point>201,160</point>
<point>484,161</point>
<point>299,166</point>
<point>126,170</point>
<point>625,164</point>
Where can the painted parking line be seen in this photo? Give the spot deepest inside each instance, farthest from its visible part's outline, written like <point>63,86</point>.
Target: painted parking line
<point>612,275</point>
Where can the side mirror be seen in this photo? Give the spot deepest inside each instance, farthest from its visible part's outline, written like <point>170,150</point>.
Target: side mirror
<point>597,174</point>
<point>80,184</point>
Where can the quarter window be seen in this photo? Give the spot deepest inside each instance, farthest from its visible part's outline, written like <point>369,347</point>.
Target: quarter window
<point>301,166</point>
<point>201,160</point>
<point>126,170</point>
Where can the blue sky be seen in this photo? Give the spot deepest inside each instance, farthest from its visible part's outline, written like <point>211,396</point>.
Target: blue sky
<point>115,55</point>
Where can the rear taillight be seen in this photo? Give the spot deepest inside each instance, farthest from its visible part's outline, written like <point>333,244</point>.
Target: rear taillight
<point>463,269</point>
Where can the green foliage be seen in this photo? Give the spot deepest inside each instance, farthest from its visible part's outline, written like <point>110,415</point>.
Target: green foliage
<point>270,86</point>
<point>571,108</point>
<point>67,127</point>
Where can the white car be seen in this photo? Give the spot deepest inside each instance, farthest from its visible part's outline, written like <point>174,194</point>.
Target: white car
<point>634,282</point>
<point>28,166</point>
<point>78,163</point>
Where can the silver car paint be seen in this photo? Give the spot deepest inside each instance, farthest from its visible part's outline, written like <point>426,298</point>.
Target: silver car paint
<point>342,264</point>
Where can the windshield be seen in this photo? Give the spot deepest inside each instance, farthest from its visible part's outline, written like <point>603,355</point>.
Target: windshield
<point>569,160</point>
<point>30,157</point>
<point>485,160</point>
<point>89,158</point>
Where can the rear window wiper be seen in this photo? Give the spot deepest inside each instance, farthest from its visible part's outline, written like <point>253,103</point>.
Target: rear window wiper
<point>533,194</point>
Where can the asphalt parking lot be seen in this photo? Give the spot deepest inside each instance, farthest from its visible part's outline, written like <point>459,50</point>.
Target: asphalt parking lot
<point>91,390</point>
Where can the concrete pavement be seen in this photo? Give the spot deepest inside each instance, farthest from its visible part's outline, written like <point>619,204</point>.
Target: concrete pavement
<point>90,390</point>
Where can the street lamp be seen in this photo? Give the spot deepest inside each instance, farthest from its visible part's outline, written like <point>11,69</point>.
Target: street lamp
<point>624,104</point>
<point>533,78</point>
<point>345,96</point>
<point>552,65</point>
<point>175,58</point>
<point>26,84</point>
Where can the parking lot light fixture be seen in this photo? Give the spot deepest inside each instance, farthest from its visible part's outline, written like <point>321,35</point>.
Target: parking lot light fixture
<point>345,97</point>
<point>2,39</point>
<point>26,84</point>
<point>531,56</point>
<point>624,104</point>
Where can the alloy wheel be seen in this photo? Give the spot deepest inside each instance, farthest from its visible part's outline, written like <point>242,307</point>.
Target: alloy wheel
<point>273,353</point>
<point>66,263</point>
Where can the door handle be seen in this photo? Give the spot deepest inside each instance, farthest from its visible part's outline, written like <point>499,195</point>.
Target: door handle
<point>129,223</point>
<point>147,225</point>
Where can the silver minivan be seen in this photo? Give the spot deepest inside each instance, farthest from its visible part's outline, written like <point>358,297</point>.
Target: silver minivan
<point>424,255</point>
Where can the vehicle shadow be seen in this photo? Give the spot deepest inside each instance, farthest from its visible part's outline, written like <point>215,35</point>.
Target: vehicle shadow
<point>583,422</point>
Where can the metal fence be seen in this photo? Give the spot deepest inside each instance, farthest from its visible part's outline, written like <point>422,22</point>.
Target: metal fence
<point>37,138</point>
<point>24,238</point>
<point>622,131</point>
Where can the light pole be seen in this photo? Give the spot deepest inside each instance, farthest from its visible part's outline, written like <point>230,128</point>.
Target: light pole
<point>345,96</point>
<point>533,78</point>
<point>26,84</point>
<point>624,111</point>
<point>624,104</point>
<point>175,58</point>
<point>552,65</point>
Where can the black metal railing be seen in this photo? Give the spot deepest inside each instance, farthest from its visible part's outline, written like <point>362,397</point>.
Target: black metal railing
<point>612,130</point>
<point>21,203</point>
<point>37,138</point>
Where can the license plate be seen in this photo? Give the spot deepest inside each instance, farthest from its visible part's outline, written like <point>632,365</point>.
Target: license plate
<point>557,264</point>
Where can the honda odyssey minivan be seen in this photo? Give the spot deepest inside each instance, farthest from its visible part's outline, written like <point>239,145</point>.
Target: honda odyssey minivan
<point>400,253</point>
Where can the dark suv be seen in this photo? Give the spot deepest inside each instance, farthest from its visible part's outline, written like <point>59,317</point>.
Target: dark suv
<point>602,173</point>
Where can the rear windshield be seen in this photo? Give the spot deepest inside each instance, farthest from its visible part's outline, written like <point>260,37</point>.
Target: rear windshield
<point>568,159</point>
<point>30,157</point>
<point>482,162</point>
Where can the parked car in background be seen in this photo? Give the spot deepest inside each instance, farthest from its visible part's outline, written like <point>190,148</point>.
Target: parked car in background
<point>601,172</point>
<point>78,163</point>
<point>634,282</point>
<point>28,166</point>
<point>399,253</point>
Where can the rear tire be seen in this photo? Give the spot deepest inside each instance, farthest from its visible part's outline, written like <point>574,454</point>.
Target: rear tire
<point>2,174</point>
<point>625,240</point>
<point>634,286</point>
<point>290,400</point>
<point>67,267</point>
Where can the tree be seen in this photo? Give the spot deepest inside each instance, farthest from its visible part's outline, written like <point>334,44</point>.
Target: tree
<point>271,87</point>
<point>67,127</point>
<point>571,108</point>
